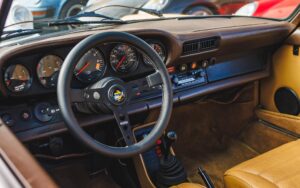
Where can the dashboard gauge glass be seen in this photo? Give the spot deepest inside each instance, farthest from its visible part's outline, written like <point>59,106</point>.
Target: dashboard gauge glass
<point>91,66</point>
<point>48,70</point>
<point>17,78</point>
<point>123,58</point>
<point>160,50</point>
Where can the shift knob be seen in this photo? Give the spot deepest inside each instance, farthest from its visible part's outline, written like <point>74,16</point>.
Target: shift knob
<point>171,136</point>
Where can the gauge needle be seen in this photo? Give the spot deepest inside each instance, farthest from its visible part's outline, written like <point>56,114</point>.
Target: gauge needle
<point>83,68</point>
<point>121,62</point>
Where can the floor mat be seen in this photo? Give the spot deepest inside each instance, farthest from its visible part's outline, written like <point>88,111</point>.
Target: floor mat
<point>215,163</point>
<point>77,176</point>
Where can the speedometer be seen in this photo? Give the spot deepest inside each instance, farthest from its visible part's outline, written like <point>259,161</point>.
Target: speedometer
<point>123,58</point>
<point>90,67</point>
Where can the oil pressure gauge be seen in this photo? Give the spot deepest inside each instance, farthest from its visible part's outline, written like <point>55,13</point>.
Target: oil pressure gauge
<point>17,78</point>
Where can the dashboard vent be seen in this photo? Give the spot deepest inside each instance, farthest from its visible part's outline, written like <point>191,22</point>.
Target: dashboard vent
<point>200,45</point>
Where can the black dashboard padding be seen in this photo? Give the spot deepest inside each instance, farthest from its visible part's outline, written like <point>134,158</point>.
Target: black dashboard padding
<point>234,67</point>
<point>64,99</point>
<point>287,101</point>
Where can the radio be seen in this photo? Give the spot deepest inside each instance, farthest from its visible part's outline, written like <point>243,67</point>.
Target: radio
<point>185,75</point>
<point>188,78</point>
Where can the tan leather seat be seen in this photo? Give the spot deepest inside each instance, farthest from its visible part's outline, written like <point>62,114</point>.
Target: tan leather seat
<point>188,185</point>
<point>274,169</point>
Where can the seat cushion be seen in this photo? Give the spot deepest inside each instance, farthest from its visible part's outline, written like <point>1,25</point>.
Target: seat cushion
<point>188,185</point>
<point>279,167</point>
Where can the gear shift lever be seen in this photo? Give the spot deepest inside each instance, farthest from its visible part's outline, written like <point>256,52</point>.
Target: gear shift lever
<point>171,171</point>
<point>170,139</point>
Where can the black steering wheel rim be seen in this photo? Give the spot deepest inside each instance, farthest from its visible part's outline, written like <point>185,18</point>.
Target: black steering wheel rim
<point>65,103</point>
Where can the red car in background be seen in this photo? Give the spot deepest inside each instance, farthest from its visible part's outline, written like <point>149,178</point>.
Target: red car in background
<point>197,7</point>
<point>278,9</point>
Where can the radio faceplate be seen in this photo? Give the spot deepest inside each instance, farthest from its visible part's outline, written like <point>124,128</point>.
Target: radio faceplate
<point>188,78</point>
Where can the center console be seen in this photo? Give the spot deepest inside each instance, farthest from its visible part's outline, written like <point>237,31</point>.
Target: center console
<point>161,165</point>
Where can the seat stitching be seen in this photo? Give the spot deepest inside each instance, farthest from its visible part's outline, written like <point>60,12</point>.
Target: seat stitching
<point>258,175</point>
<point>239,179</point>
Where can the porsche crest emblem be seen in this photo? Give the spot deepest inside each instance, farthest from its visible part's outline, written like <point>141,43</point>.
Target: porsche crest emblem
<point>118,96</point>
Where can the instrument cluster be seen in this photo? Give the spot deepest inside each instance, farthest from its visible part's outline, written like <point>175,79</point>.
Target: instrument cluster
<point>121,58</point>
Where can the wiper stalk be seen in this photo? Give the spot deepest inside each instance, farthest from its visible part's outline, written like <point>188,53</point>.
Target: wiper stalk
<point>74,20</point>
<point>19,32</point>
<point>79,22</point>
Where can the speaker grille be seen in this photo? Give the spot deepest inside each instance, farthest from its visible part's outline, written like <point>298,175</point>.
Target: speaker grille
<point>287,101</point>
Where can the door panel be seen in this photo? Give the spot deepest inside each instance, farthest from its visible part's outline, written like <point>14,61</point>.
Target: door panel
<point>285,73</point>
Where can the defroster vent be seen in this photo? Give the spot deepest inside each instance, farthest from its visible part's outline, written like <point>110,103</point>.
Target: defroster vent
<point>200,45</point>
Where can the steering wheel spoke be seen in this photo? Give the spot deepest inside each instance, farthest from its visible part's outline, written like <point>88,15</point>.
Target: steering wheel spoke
<point>124,125</point>
<point>83,95</point>
<point>77,95</point>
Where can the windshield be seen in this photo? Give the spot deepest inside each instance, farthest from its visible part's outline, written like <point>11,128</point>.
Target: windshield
<point>28,18</point>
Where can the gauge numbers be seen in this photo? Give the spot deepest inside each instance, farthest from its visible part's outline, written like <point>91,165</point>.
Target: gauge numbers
<point>91,66</point>
<point>48,70</point>
<point>123,59</point>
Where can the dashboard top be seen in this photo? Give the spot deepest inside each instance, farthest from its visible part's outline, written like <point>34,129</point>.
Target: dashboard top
<point>176,32</point>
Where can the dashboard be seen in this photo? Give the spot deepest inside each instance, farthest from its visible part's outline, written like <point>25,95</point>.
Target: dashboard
<point>202,57</point>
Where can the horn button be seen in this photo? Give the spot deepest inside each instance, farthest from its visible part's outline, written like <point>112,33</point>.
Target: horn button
<point>105,96</point>
<point>117,94</point>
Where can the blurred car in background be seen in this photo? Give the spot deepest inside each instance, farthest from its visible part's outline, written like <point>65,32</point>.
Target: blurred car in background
<point>57,9</point>
<point>190,7</point>
<point>278,9</point>
<point>112,11</point>
<point>17,14</point>
<point>197,7</point>
<point>53,8</point>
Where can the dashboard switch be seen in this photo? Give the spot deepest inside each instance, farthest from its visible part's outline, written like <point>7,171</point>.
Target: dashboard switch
<point>194,65</point>
<point>96,95</point>
<point>41,112</point>
<point>8,120</point>
<point>183,68</point>
<point>25,115</point>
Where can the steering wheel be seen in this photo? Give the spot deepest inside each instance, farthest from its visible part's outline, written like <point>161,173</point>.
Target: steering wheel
<point>113,95</point>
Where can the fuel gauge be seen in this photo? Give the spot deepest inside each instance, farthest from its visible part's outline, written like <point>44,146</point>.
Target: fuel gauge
<point>159,49</point>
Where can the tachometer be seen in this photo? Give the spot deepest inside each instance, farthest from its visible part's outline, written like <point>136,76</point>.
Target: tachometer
<point>48,69</point>
<point>90,67</point>
<point>123,58</point>
<point>160,50</point>
<point>17,78</point>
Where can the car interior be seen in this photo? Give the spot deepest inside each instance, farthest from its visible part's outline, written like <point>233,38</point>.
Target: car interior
<point>181,102</point>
